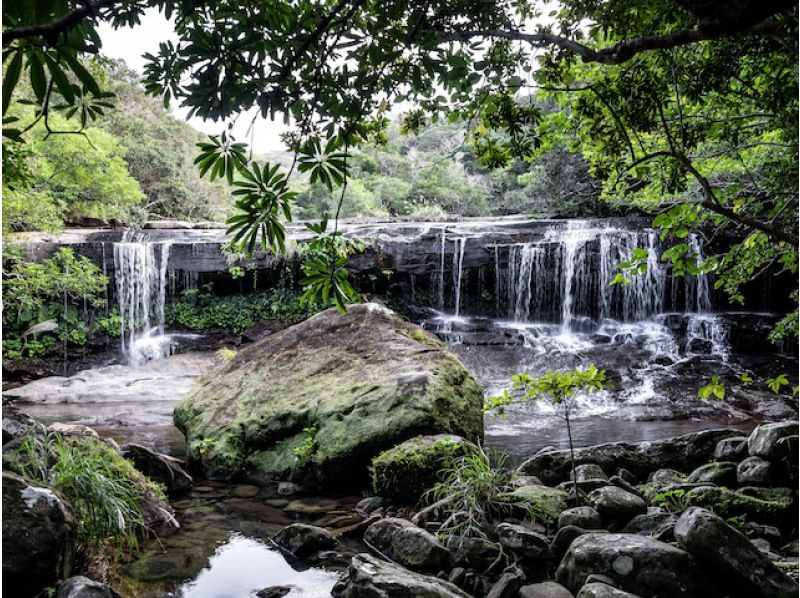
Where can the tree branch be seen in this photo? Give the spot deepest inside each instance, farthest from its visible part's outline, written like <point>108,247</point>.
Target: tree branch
<point>50,31</point>
<point>616,54</point>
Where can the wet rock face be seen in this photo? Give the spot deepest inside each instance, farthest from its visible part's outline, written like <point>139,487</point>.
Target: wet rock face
<point>616,505</point>
<point>636,564</point>
<point>83,587</point>
<point>774,441</point>
<point>369,576</point>
<point>407,544</point>
<point>755,471</point>
<point>16,423</point>
<point>737,563</point>
<point>682,452</point>
<point>731,449</point>
<point>344,386</point>
<point>302,539</point>
<point>585,517</point>
<point>39,535</point>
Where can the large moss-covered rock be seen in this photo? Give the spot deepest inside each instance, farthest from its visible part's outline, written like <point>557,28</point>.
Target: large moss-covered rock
<point>543,503</point>
<point>39,537</point>
<point>406,471</point>
<point>772,505</point>
<point>340,387</point>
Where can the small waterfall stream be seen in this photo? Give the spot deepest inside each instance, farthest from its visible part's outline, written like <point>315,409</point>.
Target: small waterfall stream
<point>140,271</point>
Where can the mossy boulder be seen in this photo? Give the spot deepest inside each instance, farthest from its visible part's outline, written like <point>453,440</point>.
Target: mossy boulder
<point>406,471</point>
<point>340,387</point>
<point>771,505</point>
<point>544,504</point>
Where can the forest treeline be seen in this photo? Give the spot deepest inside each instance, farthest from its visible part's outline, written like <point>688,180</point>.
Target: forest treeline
<point>134,162</point>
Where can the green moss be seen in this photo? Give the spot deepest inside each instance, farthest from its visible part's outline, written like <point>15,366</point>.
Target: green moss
<point>421,336</point>
<point>545,503</point>
<point>406,471</point>
<point>771,504</point>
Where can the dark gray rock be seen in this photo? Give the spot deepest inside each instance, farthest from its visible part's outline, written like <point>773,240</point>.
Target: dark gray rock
<point>731,449</point>
<point>585,517</point>
<point>508,585</point>
<point>683,452</point>
<point>667,477</point>
<point>161,468</point>
<point>274,592</point>
<point>657,524</point>
<point>16,423</point>
<point>774,441</point>
<point>589,472</point>
<point>721,473</point>
<point>546,589</point>
<point>637,564</point>
<point>474,553</point>
<point>523,541</point>
<point>39,537</point>
<point>755,471</point>
<point>367,505</point>
<point>83,587</point>
<point>759,530</point>
<point>736,562</point>
<point>407,544</point>
<point>627,476</point>
<point>368,577</point>
<point>302,539</point>
<point>615,504</point>
<point>565,536</point>
<point>603,590</point>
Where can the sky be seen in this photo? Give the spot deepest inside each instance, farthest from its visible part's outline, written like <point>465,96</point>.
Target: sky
<point>130,44</point>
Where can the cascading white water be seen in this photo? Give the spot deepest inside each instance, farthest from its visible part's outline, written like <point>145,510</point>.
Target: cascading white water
<point>442,239</point>
<point>458,269</point>
<point>141,280</point>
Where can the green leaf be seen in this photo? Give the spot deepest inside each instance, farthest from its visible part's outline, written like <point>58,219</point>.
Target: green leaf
<point>11,78</point>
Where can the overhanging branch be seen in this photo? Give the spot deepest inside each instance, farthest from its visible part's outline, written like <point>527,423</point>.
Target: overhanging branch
<point>50,31</point>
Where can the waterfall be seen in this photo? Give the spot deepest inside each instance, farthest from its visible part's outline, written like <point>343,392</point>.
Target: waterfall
<point>141,281</point>
<point>442,238</point>
<point>458,269</point>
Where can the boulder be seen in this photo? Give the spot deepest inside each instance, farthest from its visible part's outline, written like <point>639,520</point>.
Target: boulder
<point>507,585</point>
<point>341,388</point>
<point>544,504</point>
<point>765,506</point>
<point>637,564</point>
<point>162,468</point>
<point>406,471</point>
<point>475,553</point>
<point>731,449</point>
<point>589,472</point>
<point>737,563</point>
<point>274,592</point>
<point>615,504</point>
<point>407,544</point>
<point>585,517</point>
<point>755,471</point>
<point>603,590</point>
<point>545,589</point>
<point>682,452</point>
<point>39,537</point>
<point>83,587</point>
<point>564,538</point>
<point>369,577</point>
<point>523,541</point>
<point>658,525</point>
<point>301,539</point>
<point>774,441</point>
<point>16,423</point>
<point>369,504</point>
<point>79,430</point>
<point>721,473</point>
<point>667,477</point>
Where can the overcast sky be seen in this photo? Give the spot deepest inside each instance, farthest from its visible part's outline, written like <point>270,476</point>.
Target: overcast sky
<point>130,44</point>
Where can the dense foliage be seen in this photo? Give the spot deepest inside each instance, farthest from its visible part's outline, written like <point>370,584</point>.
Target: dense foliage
<point>58,299</point>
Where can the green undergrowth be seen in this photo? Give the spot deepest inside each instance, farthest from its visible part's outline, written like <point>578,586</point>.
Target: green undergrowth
<point>238,312</point>
<point>113,502</point>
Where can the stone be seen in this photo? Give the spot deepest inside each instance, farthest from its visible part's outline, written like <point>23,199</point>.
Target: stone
<point>72,430</point>
<point>683,452</point>
<point>585,517</point>
<point>627,476</point>
<point>406,471</point>
<point>457,576</point>
<point>367,505</point>
<point>758,530</point>
<point>755,471</point>
<point>364,381</point>
<point>736,562</point>
<point>637,564</point>
<point>721,473</point>
<point>545,503</point>
<point>369,576</point>
<point>731,449</point>
<point>83,587</point>
<point>658,525</point>
<point>289,489</point>
<point>245,491</point>
<point>507,585</point>
<point>274,592</point>
<point>769,507</point>
<point>545,589</point>
<point>311,506</point>
<point>407,544</point>
<point>301,539</point>
<point>667,477</point>
<point>39,536</point>
<point>475,553</point>
<point>615,504</point>
<point>603,590</point>
<point>162,468</point>
<point>16,423</point>
<point>774,441</point>
<point>523,541</point>
<point>588,472</point>
<point>564,537</point>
